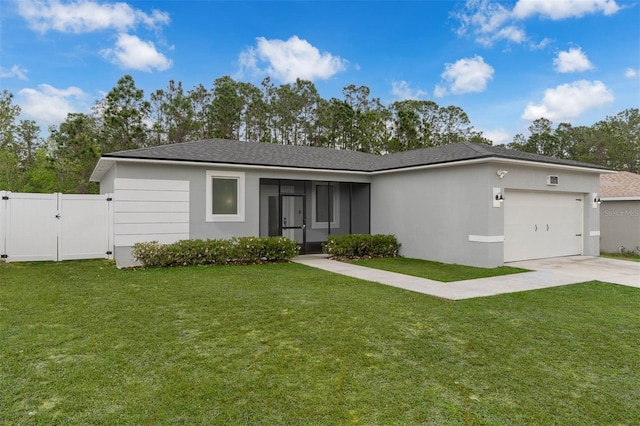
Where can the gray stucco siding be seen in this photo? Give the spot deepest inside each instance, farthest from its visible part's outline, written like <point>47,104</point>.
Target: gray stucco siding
<point>124,257</point>
<point>619,225</point>
<point>432,212</point>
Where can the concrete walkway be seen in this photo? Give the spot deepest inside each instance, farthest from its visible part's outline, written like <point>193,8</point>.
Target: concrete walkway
<point>545,273</point>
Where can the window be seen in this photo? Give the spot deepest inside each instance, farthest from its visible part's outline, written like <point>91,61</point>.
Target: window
<point>225,196</point>
<point>325,205</point>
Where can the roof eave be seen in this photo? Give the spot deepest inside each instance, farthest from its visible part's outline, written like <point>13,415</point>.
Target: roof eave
<point>107,161</point>
<point>578,167</point>
<point>496,159</point>
<point>102,167</point>
<point>98,174</point>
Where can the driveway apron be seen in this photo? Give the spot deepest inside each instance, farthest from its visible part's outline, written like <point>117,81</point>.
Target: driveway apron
<point>588,268</point>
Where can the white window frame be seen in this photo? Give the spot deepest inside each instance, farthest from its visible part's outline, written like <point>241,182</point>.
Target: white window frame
<point>335,223</point>
<point>239,177</point>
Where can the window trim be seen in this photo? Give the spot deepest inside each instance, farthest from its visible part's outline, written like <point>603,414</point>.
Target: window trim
<point>240,181</point>
<point>335,223</point>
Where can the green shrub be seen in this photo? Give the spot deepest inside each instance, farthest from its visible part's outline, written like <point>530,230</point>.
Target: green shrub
<point>355,246</point>
<point>234,251</point>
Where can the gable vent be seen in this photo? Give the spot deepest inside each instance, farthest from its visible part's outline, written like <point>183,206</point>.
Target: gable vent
<point>553,180</point>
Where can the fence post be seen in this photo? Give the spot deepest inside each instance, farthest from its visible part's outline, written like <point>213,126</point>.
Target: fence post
<point>4,215</point>
<point>58,225</point>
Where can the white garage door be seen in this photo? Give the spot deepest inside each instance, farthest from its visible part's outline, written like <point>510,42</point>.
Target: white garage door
<point>542,224</point>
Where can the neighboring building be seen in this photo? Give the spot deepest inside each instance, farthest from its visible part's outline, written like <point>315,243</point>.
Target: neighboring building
<point>620,212</point>
<point>460,203</point>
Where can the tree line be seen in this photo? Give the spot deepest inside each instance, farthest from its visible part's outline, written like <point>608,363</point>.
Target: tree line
<point>613,142</point>
<point>291,114</point>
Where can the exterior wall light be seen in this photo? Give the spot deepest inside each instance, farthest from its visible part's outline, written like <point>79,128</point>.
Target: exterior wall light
<point>596,201</point>
<point>497,198</point>
<point>501,173</point>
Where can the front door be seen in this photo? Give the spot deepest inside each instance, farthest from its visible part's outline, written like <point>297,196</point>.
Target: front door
<point>292,219</point>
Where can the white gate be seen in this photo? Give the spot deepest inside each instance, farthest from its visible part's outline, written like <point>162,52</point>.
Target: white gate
<point>55,226</point>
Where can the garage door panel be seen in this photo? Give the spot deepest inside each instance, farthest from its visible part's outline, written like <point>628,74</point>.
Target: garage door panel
<point>542,224</point>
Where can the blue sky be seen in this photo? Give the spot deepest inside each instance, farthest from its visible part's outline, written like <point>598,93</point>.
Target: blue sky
<point>504,63</point>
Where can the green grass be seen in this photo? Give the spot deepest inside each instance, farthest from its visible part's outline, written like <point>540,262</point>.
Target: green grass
<point>437,271</point>
<point>633,256</point>
<point>84,343</point>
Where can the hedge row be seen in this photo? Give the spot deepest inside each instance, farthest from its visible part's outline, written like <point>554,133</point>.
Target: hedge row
<point>355,246</point>
<point>234,251</point>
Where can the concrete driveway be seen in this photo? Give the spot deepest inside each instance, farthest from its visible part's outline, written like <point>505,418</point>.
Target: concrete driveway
<point>544,273</point>
<point>587,268</point>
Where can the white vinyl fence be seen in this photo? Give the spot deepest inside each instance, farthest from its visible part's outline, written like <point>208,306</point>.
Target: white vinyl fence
<point>55,226</point>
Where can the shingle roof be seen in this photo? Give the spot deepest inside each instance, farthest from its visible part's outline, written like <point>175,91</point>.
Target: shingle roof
<point>264,154</point>
<point>254,153</point>
<point>621,184</point>
<point>466,151</point>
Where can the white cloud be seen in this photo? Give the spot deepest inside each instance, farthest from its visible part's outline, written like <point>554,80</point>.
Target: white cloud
<point>291,59</point>
<point>486,16</point>
<point>440,91</point>
<point>132,53</point>
<point>402,90</point>
<point>48,105</point>
<point>562,9</point>
<point>511,33</point>
<point>573,60</point>
<point>82,16</point>
<point>569,100</point>
<point>491,22</point>
<point>248,60</point>
<point>541,44</point>
<point>466,75</point>
<point>16,71</point>
<point>497,136</point>
<point>631,73</point>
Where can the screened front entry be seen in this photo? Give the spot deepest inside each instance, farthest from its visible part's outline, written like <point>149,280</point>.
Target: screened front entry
<point>309,211</point>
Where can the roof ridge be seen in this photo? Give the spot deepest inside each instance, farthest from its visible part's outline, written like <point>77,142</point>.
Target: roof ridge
<point>148,148</point>
<point>479,148</point>
<point>326,148</point>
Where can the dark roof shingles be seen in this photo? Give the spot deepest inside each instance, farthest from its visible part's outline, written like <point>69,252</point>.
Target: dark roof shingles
<point>266,154</point>
<point>254,153</point>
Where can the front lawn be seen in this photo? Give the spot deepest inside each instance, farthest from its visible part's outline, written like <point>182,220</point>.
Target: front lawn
<point>437,271</point>
<point>84,343</point>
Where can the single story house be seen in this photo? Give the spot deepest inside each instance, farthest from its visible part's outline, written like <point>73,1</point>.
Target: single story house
<point>461,203</point>
<point>620,212</point>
